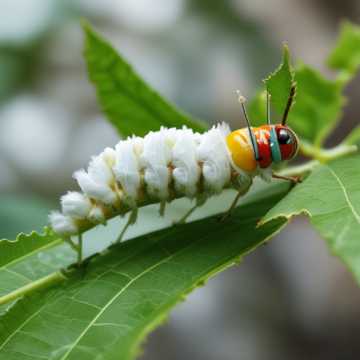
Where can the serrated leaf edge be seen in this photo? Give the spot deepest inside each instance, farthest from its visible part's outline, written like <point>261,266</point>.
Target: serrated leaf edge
<point>24,236</point>
<point>285,62</point>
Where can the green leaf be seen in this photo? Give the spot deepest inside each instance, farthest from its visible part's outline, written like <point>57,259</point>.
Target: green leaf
<point>29,257</point>
<point>25,244</point>
<point>346,55</point>
<point>279,83</point>
<point>130,104</point>
<point>330,196</point>
<point>318,105</point>
<point>106,310</point>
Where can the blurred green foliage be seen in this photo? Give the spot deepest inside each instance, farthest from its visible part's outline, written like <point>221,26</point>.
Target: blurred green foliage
<point>345,57</point>
<point>22,212</point>
<point>130,288</point>
<point>129,103</point>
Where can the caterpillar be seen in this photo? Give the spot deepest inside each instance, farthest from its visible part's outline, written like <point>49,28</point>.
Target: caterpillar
<point>172,163</point>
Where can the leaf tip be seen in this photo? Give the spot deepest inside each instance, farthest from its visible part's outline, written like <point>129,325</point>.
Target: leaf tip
<point>286,53</point>
<point>89,32</point>
<point>85,25</point>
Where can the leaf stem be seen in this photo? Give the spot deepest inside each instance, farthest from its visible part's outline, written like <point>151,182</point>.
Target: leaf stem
<point>299,169</point>
<point>325,155</point>
<point>28,289</point>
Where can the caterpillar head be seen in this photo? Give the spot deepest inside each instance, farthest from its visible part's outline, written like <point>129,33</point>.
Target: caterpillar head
<point>287,140</point>
<point>264,145</point>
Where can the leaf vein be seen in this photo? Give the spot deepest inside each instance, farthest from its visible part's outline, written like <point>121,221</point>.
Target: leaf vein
<point>111,301</point>
<point>347,199</point>
<point>18,329</point>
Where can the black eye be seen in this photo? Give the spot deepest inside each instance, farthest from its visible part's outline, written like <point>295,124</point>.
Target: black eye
<point>284,137</point>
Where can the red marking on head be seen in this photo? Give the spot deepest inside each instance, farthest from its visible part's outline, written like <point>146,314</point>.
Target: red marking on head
<point>262,135</point>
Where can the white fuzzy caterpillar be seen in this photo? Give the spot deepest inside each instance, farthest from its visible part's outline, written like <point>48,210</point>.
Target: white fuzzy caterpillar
<point>164,165</point>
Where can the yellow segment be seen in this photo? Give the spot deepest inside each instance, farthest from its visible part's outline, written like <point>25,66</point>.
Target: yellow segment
<point>242,153</point>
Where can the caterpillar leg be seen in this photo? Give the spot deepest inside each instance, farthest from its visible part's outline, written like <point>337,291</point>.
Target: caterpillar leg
<point>77,247</point>
<point>183,219</point>
<point>68,240</point>
<point>162,208</point>
<point>200,201</point>
<point>243,186</point>
<point>293,179</point>
<point>131,220</point>
<point>228,213</point>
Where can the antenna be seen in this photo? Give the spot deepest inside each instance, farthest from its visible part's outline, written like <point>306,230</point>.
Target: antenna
<point>242,100</point>
<point>288,105</point>
<point>268,110</point>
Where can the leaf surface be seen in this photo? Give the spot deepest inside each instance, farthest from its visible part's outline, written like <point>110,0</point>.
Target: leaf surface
<point>330,196</point>
<point>130,104</point>
<point>29,257</point>
<point>318,105</point>
<point>26,244</point>
<point>107,309</point>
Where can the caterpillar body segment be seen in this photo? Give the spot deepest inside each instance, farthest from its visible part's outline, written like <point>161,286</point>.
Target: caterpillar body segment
<point>164,165</point>
<point>160,167</point>
<point>169,164</point>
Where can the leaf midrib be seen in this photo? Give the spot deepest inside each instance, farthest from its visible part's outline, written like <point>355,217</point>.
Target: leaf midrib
<point>176,253</point>
<point>38,311</point>
<point>111,301</point>
<point>230,260</point>
<point>125,287</point>
<point>20,327</point>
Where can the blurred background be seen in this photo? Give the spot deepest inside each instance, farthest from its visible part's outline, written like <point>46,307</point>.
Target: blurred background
<point>288,300</point>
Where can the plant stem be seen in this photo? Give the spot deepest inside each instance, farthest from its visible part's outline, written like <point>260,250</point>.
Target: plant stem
<point>28,289</point>
<point>325,155</point>
<point>299,169</point>
<point>74,246</point>
<point>320,155</point>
